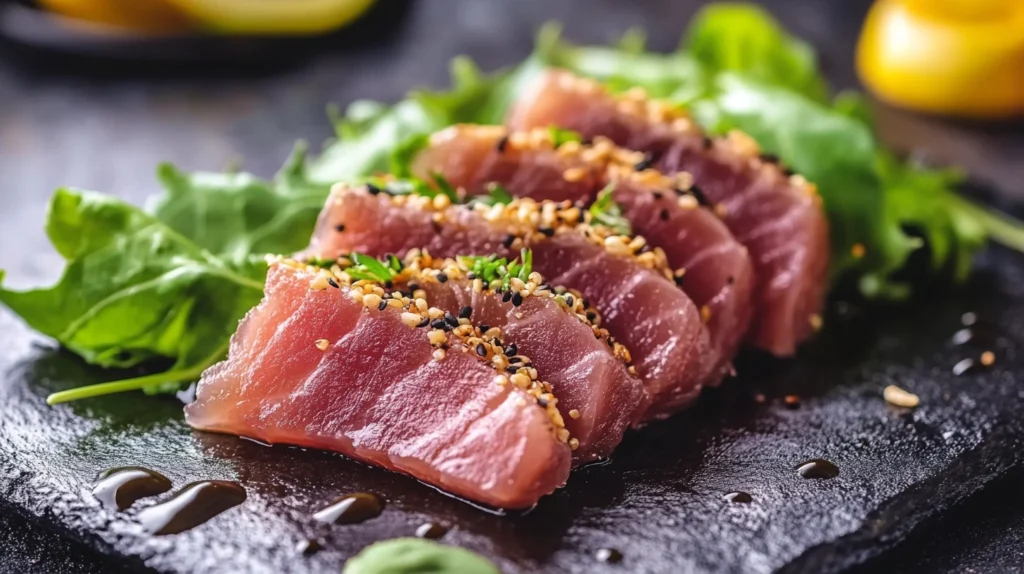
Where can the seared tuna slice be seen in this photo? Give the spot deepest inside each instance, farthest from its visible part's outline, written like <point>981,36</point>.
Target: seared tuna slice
<point>599,396</point>
<point>778,216</point>
<point>328,367</point>
<point>710,265</point>
<point>624,279</point>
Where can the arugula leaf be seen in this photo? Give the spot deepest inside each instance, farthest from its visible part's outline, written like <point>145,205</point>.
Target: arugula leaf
<point>237,214</point>
<point>133,290</point>
<point>373,137</point>
<point>604,211</point>
<point>737,37</point>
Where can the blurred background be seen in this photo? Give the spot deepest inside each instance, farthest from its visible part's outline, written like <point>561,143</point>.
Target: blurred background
<point>95,93</point>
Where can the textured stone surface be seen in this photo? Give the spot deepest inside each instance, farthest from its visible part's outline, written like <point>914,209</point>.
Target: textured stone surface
<point>659,501</point>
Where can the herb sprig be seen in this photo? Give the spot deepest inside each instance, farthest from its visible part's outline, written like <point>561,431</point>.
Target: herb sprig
<point>604,211</point>
<point>366,268</point>
<point>499,271</point>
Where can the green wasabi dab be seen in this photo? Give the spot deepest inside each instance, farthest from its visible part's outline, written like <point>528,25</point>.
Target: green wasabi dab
<point>417,556</point>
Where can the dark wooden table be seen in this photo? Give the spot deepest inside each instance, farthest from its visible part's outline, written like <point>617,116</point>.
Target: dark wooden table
<point>100,128</point>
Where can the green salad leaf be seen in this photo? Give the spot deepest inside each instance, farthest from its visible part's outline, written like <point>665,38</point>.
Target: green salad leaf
<point>134,289</point>
<point>237,215</point>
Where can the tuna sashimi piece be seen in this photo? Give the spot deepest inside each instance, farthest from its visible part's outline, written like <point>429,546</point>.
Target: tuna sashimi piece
<point>778,216</point>
<point>712,267</point>
<point>598,397</point>
<point>622,277</point>
<point>325,367</point>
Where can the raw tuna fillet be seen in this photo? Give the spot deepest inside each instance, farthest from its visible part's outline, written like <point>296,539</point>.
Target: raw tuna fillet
<point>315,367</point>
<point>620,276</point>
<point>778,217</point>
<point>598,397</point>
<point>711,266</point>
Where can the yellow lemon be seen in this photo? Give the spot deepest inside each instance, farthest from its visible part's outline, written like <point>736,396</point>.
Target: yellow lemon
<point>273,16</point>
<point>142,15</point>
<point>956,57</point>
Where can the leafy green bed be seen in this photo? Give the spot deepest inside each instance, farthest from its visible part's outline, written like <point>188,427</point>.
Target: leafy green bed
<point>173,281</point>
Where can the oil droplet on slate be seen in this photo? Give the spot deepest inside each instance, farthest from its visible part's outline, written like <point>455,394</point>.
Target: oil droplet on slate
<point>352,509</point>
<point>431,530</point>
<point>119,488</point>
<point>738,497</point>
<point>818,468</point>
<point>609,555</point>
<point>193,505</point>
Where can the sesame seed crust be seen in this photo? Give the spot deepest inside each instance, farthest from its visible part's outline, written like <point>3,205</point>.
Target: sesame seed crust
<point>443,330</point>
<point>735,147</point>
<point>529,221</point>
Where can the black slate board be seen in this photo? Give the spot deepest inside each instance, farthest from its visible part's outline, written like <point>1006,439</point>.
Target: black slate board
<point>659,500</point>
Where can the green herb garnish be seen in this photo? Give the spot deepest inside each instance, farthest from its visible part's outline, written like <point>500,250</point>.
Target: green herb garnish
<point>496,193</point>
<point>368,268</point>
<point>604,211</point>
<point>498,271</point>
<point>561,136</point>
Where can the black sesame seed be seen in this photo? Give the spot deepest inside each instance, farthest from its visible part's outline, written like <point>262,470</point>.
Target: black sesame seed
<point>437,226</point>
<point>542,402</point>
<point>424,322</point>
<point>788,172</point>
<point>506,297</point>
<point>444,345</point>
<point>658,195</point>
<point>332,283</point>
<point>708,143</point>
<point>517,298</point>
<point>451,320</point>
<point>582,216</point>
<point>383,305</point>
<point>439,324</point>
<point>586,303</point>
<point>484,328</point>
<point>414,287</point>
<point>373,189</point>
<point>514,359</point>
<point>339,227</point>
<point>388,284</point>
<point>610,342</point>
<point>471,275</point>
<point>699,194</point>
<point>769,158</point>
<point>569,300</point>
<point>481,349</point>
<point>644,163</point>
<point>508,241</point>
<point>663,215</point>
<point>679,279</point>
<point>442,277</point>
<point>466,312</point>
<point>547,231</point>
<point>591,315</point>
<point>512,350</point>
<point>502,144</point>
<point>730,280</point>
<point>512,369</point>
<point>646,248</point>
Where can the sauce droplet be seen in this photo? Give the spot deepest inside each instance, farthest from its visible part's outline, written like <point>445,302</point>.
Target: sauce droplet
<point>431,530</point>
<point>310,547</point>
<point>119,488</point>
<point>738,497</point>
<point>818,468</point>
<point>609,555</point>
<point>352,509</point>
<point>193,505</point>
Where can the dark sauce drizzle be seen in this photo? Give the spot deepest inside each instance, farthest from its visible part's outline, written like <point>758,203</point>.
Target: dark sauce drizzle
<point>119,488</point>
<point>193,505</point>
<point>352,509</point>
